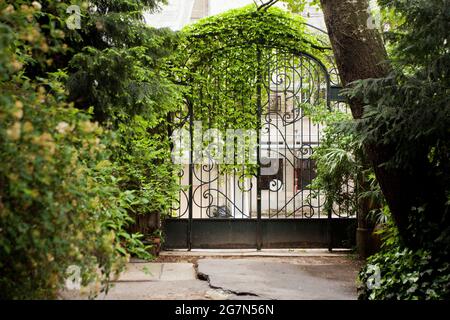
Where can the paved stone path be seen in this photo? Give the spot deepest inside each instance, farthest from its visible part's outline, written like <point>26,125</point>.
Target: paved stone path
<point>236,277</point>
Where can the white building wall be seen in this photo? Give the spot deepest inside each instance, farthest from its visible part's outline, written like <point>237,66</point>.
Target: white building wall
<point>175,15</point>
<point>179,13</point>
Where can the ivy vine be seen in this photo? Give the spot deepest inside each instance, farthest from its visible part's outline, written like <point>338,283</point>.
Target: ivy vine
<point>222,60</point>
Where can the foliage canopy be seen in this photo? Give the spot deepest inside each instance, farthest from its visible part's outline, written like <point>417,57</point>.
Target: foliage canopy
<point>222,60</point>
<point>84,141</point>
<point>408,112</point>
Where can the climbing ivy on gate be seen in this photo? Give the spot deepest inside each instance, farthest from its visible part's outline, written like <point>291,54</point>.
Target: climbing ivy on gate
<point>221,58</point>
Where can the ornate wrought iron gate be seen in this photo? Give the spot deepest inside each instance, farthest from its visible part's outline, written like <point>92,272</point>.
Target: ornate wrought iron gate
<point>223,206</point>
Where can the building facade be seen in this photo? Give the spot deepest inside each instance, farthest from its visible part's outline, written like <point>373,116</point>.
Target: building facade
<point>179,13</point>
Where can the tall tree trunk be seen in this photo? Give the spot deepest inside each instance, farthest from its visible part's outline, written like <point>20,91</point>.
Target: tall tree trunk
<point>360,54</point>
<point>359,51</point>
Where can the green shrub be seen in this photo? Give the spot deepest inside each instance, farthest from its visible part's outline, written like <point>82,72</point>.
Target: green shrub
<point>57,196</point>
<point>405,274</point>
<point>59,202</point>
<point>117,70</point>
<point>408,113</point>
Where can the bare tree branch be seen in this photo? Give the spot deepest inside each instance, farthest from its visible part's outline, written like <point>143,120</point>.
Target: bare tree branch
<point>267,5</point>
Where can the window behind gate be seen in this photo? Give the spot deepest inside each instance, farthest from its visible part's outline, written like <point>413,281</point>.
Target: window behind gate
<point>266,179</point>
<point>305,172</point>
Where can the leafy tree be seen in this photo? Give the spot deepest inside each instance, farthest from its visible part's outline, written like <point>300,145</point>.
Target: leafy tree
<point>403,141</point>
<point>69,185</point>
<point>407,113</point>
<point>114,65</point>
<point>399,135</point>
<point>118,71</point>
<point>115,69</point>
<point>401,106</point>
<point>58,199</point>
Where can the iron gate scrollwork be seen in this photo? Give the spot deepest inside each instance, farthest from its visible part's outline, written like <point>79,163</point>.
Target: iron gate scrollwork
<point>276,207</point>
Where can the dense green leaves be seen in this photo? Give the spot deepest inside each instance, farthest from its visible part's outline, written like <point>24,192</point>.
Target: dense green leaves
<point>69,185</point>
<point>223,59</point>
<point>405,274</point>
<point>118,72</point>
<point>336,157</point>
<point>408,112</point>
<point>58,198</point>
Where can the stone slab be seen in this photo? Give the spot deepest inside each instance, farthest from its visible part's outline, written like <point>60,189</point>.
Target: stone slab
<point>158,290</point>
<point>141,272</point>
<point>180,271</point>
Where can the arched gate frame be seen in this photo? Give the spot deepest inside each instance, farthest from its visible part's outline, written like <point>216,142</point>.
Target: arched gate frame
<point>276,207</point>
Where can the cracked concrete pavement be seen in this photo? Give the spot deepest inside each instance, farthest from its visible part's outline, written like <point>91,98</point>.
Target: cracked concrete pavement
<point>271,279</point>
<point>230,278</point>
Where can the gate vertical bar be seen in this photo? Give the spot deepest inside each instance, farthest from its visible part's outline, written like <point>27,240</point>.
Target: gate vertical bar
<point>191,173</point>
<point>258,152</point>
<point>330,231</point>
<point>330,211</point>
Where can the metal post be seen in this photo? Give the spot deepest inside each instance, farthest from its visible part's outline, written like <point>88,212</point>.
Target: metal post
<point>330,211</point>
<point>191,172</point>
<point>258,156</point>
<point>330,232</point>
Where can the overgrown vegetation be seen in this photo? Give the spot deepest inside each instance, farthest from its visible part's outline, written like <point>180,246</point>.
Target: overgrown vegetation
<point>84,141</point>
<point>407,117</point>
<point>400,273</point>
<point>117,71</point>
<point>408,112</point>
<point>84,134</point>
<point>220,59</point>
<point>336,159</point>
